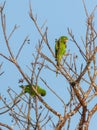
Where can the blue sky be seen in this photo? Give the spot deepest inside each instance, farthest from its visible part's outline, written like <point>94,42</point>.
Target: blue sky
<point>59,15</point>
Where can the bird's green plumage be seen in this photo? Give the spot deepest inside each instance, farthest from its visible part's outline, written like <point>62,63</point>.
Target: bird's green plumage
<point>28,89</point>
<point>60,49</point>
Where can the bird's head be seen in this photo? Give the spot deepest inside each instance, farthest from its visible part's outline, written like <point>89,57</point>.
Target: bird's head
<point>43,92</point>
<point>64,39</point>
<point>25,88</point>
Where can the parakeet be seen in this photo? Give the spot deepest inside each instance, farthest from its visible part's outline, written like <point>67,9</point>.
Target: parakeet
<point>27,89</point>
<point>60,50</point>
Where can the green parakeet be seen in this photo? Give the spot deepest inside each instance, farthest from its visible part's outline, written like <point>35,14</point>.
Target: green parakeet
<point>27,89</point>
<point>60,49</point>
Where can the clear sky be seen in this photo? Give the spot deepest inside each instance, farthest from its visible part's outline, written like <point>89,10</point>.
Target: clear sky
<point>60,14</point>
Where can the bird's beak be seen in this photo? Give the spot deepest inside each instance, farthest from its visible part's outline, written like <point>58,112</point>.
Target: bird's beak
<point>66,40</point>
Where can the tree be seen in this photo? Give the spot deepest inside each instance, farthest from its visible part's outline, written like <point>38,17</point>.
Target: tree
<point>34,112</point>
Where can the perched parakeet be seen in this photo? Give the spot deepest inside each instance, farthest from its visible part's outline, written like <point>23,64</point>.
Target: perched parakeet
<point>27,89</point>
<point>60,49</point>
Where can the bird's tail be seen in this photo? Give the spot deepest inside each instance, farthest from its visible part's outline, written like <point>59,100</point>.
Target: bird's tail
<point>56,72</point>
<point>57,68</point>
